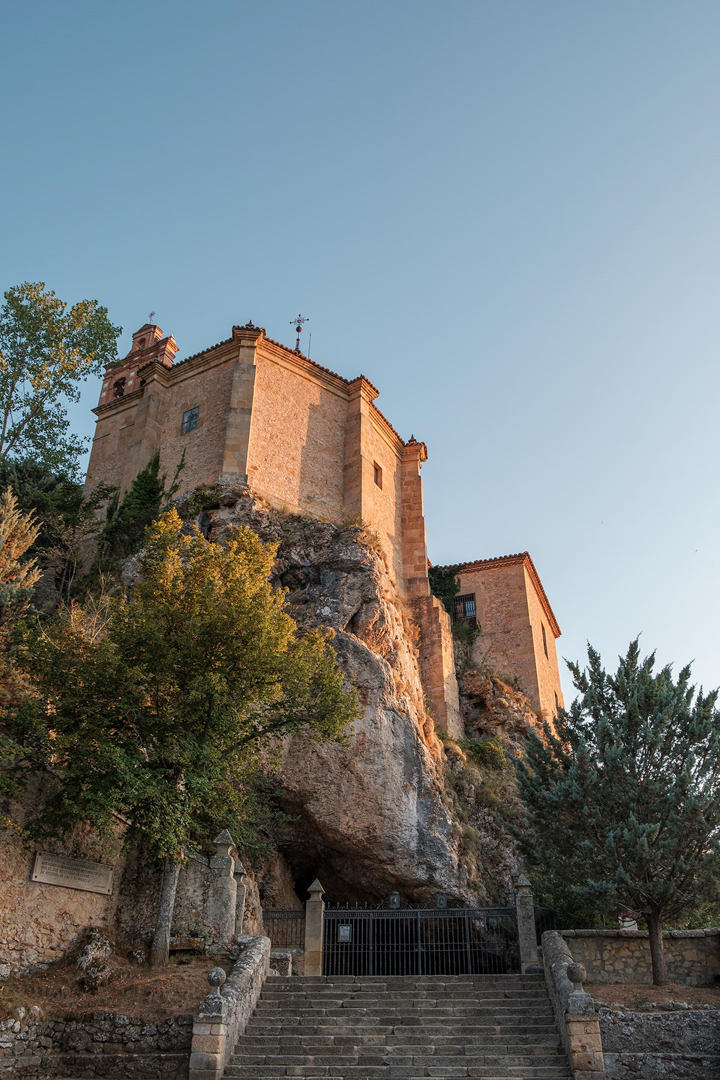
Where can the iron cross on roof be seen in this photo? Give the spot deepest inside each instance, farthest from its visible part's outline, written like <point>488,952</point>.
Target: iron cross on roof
<point>298,324</point>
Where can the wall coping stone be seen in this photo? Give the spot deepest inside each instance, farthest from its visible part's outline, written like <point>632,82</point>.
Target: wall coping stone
<point>713,931</point>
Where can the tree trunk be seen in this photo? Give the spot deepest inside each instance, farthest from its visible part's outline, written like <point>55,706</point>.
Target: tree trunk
<point>160,948</point>
<point>657,953</point>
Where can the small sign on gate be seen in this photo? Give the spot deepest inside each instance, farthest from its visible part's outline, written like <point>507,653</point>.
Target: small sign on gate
<point>344,934</point>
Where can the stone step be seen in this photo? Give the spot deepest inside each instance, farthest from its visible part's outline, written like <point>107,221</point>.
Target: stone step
<point>290,1000</point>
<point>415,1043</point>
<point>387,1007</point>
<point>349,1022</point>
<point>402,1028</point>
<point>399,1072</point>
<point>290,987</point>
<point>378,1058</point>
<point>410,982</point>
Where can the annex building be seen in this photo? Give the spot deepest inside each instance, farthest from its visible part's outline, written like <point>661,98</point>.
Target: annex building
<point>249,410</point>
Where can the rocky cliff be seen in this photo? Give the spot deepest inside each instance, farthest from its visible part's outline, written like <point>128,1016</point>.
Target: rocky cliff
<point>389,810</point>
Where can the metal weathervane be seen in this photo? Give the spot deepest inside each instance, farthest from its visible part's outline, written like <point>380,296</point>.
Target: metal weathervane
<point>298,324</point>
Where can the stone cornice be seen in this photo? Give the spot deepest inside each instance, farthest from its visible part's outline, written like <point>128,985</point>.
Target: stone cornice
<point>117,405</point>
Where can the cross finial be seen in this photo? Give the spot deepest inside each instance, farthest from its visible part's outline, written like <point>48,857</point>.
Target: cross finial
<point>151,316</point>
<point>298,324</point>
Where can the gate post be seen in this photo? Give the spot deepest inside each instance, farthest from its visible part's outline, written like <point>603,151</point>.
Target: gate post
<point>314,920</point>
<point>527,934</point>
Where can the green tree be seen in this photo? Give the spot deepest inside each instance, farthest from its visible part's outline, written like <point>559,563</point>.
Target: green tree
<point>151,709</point>
<point>46,352</point>
<point>445,584</point>
<point>145,500</point>
<point>18,575</point>
<point>69,521</point>
<point>624,802</point>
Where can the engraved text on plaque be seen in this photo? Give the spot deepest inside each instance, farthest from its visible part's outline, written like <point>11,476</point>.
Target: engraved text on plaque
<point>73,873</point>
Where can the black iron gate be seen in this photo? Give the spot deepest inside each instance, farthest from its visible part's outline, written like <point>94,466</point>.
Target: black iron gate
<point>426,941</point>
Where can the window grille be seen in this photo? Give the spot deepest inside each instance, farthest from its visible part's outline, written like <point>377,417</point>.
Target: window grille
<point>465,609</point>
<point>190,419</point>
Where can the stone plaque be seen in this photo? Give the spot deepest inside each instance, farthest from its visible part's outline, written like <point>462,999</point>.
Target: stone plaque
<point>73,873</point>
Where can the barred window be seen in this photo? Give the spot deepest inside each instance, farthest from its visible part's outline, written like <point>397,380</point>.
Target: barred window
<point>190,419</point>
<point>465,609</point>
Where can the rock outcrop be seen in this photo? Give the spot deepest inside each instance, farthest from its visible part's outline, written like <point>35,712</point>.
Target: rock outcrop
<point>370,816</point>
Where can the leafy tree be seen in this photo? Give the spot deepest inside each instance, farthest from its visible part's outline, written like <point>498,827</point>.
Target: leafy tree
<point>624,802</point>
<point>152,709</point>
<point>45,353</point>
<point>18,575</point>
<point>69,522</point>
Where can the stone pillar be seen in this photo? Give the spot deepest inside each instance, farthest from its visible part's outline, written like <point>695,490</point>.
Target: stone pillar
<point>239,422</point>
<point>527,933</point>
<point>584,1042</point>
<point>239,875</point>
<point>145,433</point>
<point>414,541</point>
<point>358,476</point>
<point>222,901</point>
<point>314,920</point>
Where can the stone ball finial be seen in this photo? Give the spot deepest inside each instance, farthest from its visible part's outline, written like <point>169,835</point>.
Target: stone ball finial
<point>577,974</point>
<point>216,978</point>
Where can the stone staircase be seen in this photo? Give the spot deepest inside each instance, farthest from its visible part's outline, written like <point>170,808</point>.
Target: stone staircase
<point>342,1026</point>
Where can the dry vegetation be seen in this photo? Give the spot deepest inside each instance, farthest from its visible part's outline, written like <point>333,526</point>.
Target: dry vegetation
<point>136,990</point>
<point>633,996</point>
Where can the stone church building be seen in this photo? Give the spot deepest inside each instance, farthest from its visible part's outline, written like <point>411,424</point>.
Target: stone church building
<point>251,411</point>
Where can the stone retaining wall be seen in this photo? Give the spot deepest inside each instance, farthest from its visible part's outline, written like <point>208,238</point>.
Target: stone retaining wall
<point>678,1045</point>
<point>98,1045</point>
<point>574,1010</point>
<point>223,1015</point>
<point>623,956</point>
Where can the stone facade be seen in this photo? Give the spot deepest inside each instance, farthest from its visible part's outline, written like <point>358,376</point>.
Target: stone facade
<point>250,411</point>
<point>623,956</point>
<point>518,627</point>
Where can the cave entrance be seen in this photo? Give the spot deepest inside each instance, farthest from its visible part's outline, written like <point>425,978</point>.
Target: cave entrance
<point>423,941</point>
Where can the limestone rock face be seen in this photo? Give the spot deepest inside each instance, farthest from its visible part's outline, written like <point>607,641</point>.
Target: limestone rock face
<point>491,707</point>
<point>370,816</point>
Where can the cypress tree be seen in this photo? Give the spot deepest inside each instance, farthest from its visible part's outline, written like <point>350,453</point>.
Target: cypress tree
<point>623,798</point>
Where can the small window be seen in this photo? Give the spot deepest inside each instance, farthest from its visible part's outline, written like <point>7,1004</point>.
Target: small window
<point>465,609</point>
<point>557,703</point>
<point>190,419</point>
<point>544,641</point>
<point>378,474</point>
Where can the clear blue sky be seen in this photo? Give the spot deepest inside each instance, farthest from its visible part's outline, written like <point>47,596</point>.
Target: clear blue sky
<point>504,213</point>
